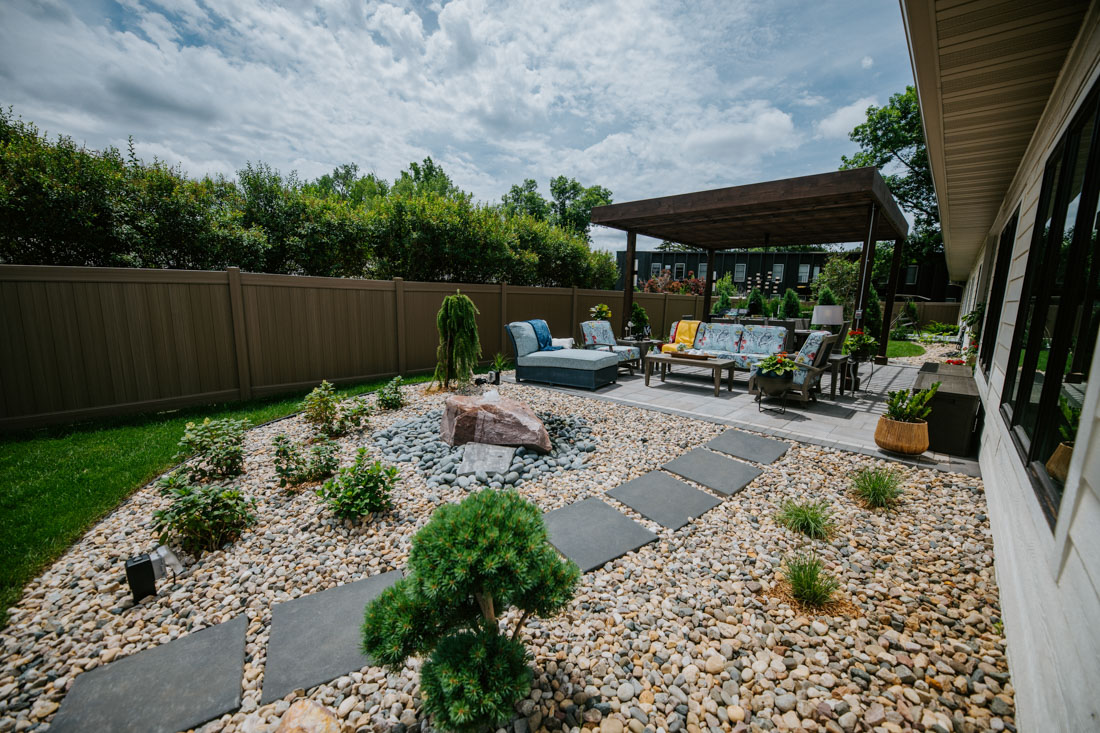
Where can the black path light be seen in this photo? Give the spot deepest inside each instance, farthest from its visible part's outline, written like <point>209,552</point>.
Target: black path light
<point>143,571</point>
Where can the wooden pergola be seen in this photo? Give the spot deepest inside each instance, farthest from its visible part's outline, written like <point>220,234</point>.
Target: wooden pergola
<point>827,208</point>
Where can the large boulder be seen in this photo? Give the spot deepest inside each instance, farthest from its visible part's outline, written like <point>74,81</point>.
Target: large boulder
<point>492,419</point>
<point>306,716</point>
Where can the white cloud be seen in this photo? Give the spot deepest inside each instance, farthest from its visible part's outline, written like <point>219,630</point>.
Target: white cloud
<point>841,121</point>
<point>866,62</point>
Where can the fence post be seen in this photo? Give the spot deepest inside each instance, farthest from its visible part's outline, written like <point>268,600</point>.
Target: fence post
<point>503,316</point>
<point>240,338</point>
<point>399,310</point>
<point>664,313</point>
<point>573,315</point>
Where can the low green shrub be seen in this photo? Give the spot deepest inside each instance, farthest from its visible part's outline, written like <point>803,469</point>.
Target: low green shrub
<point>202,517</point>
<point>900,333</point>
<point>879,487</point>
<point>322,409</point>
<point>945,329</point>
<point>501,363</point>
<point>360,489</point>
<point>293,468</point>
<point>391,397</point>
<point>811,518</point>
<point>217,447</point>
<point>469,564</point>
<point>810,585</point>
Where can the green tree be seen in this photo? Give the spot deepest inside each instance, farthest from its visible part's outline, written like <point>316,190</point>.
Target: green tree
<point>459,346</point>
<point>346,184</point>
<point>670,246</point>
<point>825,296</point>
<point>525,199</point>
<point>427,177</point>
<point>841,276</point>
<point>791,306</point>
<point>469,564</point>
<point>571,208</point>
<point>872,315</point>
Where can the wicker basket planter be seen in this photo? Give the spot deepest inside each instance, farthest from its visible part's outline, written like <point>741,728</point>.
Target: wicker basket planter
<point>907,438</point>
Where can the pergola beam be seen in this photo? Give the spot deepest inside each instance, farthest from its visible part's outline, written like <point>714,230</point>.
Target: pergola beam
<point>628,280</point>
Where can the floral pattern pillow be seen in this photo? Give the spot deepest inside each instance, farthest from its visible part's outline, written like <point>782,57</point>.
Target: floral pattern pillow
<point>597,332</point>
<point>763,339</point>
<point>719,337</point>
<point>807,354</point>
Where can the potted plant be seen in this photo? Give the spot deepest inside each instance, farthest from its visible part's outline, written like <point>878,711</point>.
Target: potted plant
<point>500,363</point>
<point>639,321</point>
<point>859,345</point>
<point>903,429</point>
<point>774,374</point>
<point>1058,464</point>
<point>600,312</point>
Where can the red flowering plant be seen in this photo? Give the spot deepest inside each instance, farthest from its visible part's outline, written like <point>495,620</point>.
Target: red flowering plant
<point>777,365</point>
<point>956,362</point>
<point>859,344</point>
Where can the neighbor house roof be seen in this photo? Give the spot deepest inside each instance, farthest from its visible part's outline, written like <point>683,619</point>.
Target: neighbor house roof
<point>984,71</point>
<point>820,209</point>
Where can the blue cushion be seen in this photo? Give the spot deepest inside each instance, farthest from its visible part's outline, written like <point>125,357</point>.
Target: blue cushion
<point>597,332</point>
<point>569,359</point>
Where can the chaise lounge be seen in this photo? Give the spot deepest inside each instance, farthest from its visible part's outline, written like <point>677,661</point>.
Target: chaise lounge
<point>565,367</point>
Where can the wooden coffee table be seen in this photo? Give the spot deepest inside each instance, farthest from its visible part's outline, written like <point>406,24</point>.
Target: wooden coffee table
<point>714,364</point>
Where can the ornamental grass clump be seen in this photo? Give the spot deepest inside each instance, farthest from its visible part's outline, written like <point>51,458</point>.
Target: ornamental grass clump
<point>879,487</point>
<point>811,518</point>
<point>201,517</point>
<point>217,447</point>
<point>459,347</point>
<point>360,489</point>
<point>322,409</point>
<point>470,564</point>
<point>810,584</point>
<point>294,468</point>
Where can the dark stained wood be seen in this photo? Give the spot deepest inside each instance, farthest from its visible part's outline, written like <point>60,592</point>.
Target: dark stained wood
<point>628,281</point>
<point>891,293</point>
<point>866,266</point>
<point>711,262</point>
<point>819,209</point>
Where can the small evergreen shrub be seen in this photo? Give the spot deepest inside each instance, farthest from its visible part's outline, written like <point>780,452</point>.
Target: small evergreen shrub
<point>756,305</point>
<point>360,489</point>
<point>810,584</point>
<point>791,306</point>
<point>459,347</point>
<point>217,446</point>
<point>293,468</point>
<point>638,317</point>
<point>322,409</point>
<point>872,314</point>
<point>879,487</point>
<point>774,306</point>
<point>811,518</point>
<point>201,517</point>
<point>390,397</point>
<point>826,296</point>
<point>467,566</point>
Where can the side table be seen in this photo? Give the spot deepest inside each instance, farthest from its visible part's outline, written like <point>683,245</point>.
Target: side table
<point>836,366</point>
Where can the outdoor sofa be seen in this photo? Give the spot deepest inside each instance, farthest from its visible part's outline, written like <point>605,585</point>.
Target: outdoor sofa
<point>598,336</point>
<point>745,345</point>
<point>565,367</point>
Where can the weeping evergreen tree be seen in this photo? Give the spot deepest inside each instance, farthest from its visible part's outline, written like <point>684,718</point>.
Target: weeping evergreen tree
<point>459,347</point>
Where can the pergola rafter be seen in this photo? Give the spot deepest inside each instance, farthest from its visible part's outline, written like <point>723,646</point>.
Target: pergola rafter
<point>827,208</point>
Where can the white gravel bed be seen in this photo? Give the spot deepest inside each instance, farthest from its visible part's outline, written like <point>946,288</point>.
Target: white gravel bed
<point>690,632</point>
<point>933,352</point>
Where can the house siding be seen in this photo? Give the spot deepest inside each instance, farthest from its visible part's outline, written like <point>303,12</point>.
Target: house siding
<point>1049,580</point>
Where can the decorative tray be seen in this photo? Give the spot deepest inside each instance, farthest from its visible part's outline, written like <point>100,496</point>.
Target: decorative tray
<point>685,355</point>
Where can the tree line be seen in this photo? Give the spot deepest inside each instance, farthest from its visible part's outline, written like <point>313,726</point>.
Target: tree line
<point>63,204</point>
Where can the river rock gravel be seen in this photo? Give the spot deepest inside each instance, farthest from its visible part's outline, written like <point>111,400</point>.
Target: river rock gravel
<point>691,632</point>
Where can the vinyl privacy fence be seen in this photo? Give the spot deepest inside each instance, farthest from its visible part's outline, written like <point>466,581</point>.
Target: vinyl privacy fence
<point>82,342</point>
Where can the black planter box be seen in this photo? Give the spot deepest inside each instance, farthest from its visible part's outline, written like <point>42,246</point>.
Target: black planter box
<point>953,422</point>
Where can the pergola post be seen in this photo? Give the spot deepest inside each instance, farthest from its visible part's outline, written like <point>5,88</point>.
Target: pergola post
<point>712,257</point>
<point>628,281</point>
<point>866,267</point>
<point>891,293</point>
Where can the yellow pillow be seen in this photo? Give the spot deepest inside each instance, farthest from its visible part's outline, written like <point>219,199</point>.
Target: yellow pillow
<point>685,334</point>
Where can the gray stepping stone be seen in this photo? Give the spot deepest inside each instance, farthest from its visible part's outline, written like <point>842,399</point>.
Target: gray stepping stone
<point>591,533</point>
<point>315,638</point>
<point>716,472</point>
<point>175,686</point>
<point>484,457</point>
<point>748,446</point>
<point>665,500</point>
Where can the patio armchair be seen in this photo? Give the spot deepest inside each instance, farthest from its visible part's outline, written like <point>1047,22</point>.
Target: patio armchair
<point>811,362</point>
<point>598,336</point>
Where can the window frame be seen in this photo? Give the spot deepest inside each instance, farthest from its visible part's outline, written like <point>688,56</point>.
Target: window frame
<point>1005,245</point>
<point>740,271</point>
<point>781,268</point>
<point>915,270</point>
<point>803,274</point>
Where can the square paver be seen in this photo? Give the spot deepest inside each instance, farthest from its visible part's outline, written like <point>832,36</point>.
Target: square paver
<point>667,501</point>
<point>175,686</point>
<point>316,638</point>
<point>724,475</point>
<point>748,446</point>
<point>591,533</point>
<point>484,457</point>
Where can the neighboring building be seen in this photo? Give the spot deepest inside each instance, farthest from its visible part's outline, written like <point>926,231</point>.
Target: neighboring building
<point>795,270</point>
<point>1010,96</point>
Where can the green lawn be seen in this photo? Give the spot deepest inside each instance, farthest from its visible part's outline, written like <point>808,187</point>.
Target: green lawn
<point>58,482</point>
<point>896,349</point>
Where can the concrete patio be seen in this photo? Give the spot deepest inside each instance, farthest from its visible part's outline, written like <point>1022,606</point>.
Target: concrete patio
<point>846,422</point>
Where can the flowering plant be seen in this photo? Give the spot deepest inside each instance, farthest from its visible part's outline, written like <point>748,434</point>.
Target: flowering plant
<point>777,365</point>
<point>860,343</point>
<point>956,362</point>
<point>600,312</point>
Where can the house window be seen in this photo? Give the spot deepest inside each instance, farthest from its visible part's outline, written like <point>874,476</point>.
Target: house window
<point>817,271</point>
<point>911,273</point>
<point>1059,310</point>
<point>678,272</point>
<point>655,269</point>
<point>702,271</point>
<point>997,293</point>
<point>803,274</point>
<point>739,272</point>
<point>777,272</point>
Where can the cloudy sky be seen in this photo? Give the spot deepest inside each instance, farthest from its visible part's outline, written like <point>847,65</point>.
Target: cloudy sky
<point>646,98</point>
